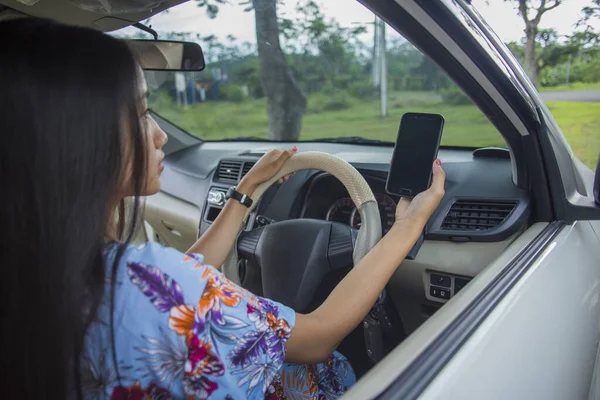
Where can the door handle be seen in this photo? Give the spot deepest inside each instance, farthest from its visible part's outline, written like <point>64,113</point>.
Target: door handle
<point>171,228</point>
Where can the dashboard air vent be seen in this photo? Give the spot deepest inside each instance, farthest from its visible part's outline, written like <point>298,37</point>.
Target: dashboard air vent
<point>229,171</point>
<point>247,167</point>
<point>468,215</point>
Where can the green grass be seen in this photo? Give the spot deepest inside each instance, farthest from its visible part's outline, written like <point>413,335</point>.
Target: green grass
<point>580,123</point>
<point>465,125</point>
<point>577,86</point>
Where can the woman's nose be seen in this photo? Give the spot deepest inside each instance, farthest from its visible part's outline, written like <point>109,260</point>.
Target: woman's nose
<point>160,137</point>
<point>163,138</point>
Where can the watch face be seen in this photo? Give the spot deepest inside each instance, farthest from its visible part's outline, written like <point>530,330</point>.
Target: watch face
<point>246,200</point>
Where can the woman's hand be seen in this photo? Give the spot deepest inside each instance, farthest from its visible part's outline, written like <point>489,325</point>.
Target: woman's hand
<point>316,335</point>
<point>219,238</point>
<point>424,204</point>
<point>266,168</point>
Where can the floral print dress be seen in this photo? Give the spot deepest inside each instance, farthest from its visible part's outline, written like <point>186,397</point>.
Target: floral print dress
<point>184,331</point>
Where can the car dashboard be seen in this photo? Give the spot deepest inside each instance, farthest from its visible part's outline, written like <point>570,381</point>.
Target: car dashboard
<point>482,212</point>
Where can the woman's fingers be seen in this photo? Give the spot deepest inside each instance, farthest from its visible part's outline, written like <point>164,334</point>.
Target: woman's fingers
<point>284,156</point>
<point>439,178</point>
<point>285,178</point>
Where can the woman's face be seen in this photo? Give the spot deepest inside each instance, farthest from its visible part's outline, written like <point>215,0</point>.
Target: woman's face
<point>155,139</point>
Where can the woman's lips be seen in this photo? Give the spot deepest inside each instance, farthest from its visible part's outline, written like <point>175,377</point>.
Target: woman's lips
<point>161,158</point>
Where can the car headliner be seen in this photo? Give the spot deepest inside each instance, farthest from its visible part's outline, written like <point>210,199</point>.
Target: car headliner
<point>67,12</point>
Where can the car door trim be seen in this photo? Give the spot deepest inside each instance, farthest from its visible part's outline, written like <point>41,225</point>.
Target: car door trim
<point>419,373</point>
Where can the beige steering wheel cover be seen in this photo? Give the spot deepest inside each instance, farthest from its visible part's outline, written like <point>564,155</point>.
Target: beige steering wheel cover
<point>358,188</point>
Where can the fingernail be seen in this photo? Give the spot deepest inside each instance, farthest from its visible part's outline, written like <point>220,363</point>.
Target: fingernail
<point>295,149</point>
<point>438,162</point>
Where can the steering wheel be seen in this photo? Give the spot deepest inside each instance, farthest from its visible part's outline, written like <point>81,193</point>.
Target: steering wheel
<point>295,255</point>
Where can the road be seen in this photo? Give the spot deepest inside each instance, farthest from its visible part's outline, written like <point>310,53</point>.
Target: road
<point>587,95</point>
<point>581,95</point>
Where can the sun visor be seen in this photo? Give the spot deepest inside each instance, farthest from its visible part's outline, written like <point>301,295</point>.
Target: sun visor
<point>117,7</point>
<point>11,14</point>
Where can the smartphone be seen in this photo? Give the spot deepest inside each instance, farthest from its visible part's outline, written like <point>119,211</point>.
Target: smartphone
<point>415,151</point>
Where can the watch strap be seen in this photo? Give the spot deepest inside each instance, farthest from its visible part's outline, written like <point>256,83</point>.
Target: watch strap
<point>232,193</point>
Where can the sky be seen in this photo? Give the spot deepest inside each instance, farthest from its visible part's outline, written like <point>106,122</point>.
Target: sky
<point>502,17</point>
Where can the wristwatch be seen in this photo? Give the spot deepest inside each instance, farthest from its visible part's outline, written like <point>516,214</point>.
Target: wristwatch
<point>232,193</point>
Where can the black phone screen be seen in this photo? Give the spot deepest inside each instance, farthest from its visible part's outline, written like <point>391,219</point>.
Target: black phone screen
<point>416,148</point>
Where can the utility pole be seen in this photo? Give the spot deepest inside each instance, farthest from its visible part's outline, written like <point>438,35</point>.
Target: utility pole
<point>379,73</point>
<point>376,69</point>
<point>568,71</point>
<point>383,90</point>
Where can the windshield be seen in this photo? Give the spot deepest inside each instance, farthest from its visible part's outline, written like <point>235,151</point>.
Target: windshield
<point>320,69</point>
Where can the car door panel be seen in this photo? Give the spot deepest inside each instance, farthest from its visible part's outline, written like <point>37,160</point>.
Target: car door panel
<point>541,340</point>
<point>381,380</point>
<point>173,221</point>
<point>409,287</point>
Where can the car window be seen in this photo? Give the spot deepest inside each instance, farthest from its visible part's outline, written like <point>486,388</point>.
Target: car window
<point>567,65</point>
<point>328,77</point>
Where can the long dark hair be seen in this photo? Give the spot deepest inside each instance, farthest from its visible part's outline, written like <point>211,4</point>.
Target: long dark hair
<point>69,101</point>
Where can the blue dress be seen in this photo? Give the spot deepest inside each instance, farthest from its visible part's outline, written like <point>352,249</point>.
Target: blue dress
<point>182,330</point>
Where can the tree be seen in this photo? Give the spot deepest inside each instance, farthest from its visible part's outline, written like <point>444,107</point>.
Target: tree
<point>590,12</point>
<point>549,50</point>
<point>212,6</point>
<point>286,104</point>
<point>588,36</point>
<point>532,16</point>
<point>321,53</point>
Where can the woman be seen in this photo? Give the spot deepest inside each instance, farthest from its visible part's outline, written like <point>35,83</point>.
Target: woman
<point>85,314</point>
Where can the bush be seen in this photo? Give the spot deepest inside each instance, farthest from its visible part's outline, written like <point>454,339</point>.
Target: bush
<point>362,89</point>
<point>160,100</point>
<point>232,93</point>
<point>586,71</point>
<point>337,103</point>
<point>329,90</point>
<point>557,75</point>
<point>590,72</point>
<point>455,97</point>
<point>552,77</point>
<point>340,100</point>
<point>256,90</point>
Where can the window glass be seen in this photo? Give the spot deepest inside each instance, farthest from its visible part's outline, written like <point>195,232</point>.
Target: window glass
<point>328,77</point>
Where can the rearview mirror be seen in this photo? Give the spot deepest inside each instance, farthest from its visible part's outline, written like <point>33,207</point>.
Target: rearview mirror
<point>164,55</point>
<point>597,182</point>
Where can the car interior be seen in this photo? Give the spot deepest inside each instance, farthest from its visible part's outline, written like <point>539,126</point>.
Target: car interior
<point>479,217</point>
<point>485,209</point>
